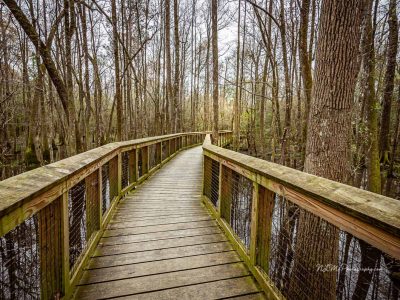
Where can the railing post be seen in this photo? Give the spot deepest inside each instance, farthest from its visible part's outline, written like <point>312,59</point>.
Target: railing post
<point>50,249</point>
<point>226,190</point>
<point>254,224</point>
<point>92,198</point>
<point>265,205</point>
<point>66,283</point>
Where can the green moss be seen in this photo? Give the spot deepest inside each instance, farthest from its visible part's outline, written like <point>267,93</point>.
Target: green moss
<point>30,157</point>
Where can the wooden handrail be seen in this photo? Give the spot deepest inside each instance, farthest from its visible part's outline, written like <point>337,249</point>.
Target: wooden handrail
<point>46,194</point>
<point>372,218</point>
<point>20,189</point>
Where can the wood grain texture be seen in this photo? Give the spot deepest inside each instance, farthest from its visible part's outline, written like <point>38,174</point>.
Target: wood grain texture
<point>27,193</point>
<point>381,211</point>
<point>163,244</point>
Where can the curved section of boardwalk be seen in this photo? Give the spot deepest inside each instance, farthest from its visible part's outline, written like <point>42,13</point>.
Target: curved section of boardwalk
<point>163,244</point>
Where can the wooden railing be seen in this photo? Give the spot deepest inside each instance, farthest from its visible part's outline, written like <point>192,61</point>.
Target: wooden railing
<point>52,218</point>
<point>303,236</point>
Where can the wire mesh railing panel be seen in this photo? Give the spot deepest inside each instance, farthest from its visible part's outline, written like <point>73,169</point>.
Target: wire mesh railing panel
<point>152,156</point>
<point>211,180</point>
<point>31,257</point>
<point>164,150</point>
<point>125,169</point>
<point>312,259</point>
<point>171,146</point>
<point>20,262</point>
<point>184,141</point>
<point>140,162</point>
<point>236,197</point>
<point>242,195</point>
<point>113,176</point>
<point>77,223</point>
<point>105,187</point>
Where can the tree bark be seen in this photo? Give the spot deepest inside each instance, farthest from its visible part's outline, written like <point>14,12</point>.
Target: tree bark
<point>118,95</point>
<point>328,138</point>
<point>389,81</point>
<point>214,29</point>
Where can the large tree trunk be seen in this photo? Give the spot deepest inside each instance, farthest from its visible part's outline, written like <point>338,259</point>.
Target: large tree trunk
<point>389,81</point>
<point>177,126</point>
<point>168,96</point>
<point>373,167</point>
<point>285,138</point>
<point>328,138</point>
<point>214,29</point>
<point>305,67</point>
<point>43,50</point>
<point>236,108</point>
<point>118,95</point>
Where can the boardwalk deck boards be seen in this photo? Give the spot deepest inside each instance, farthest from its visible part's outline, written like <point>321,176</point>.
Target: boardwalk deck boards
<point>163,244</point>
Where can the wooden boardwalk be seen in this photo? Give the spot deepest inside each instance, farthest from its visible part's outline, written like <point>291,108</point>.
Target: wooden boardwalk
<point>163,244</point>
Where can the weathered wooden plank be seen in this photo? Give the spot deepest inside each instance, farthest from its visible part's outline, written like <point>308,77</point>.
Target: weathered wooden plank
<point>157,228</point>
<point>159,235</point>
<point>158,267</point>
<point>223,289</point>
<point>157,212</point>
<point>150,216</point>
<point>144,284</point>
<point>158,255</point>
<point>161,244</point>
<point>164,245</point>
<point>254,296</point>
<point>140,223</point>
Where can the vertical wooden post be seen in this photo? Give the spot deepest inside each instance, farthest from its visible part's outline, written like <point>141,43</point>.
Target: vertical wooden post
<point>66,283</point>
<point>254,224</point>
<point>158,153</point>
<point>92,198</point>
<point>266,200</point>
<point>226,194</point>
<point>50,245</point>
<point>145,159</point>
